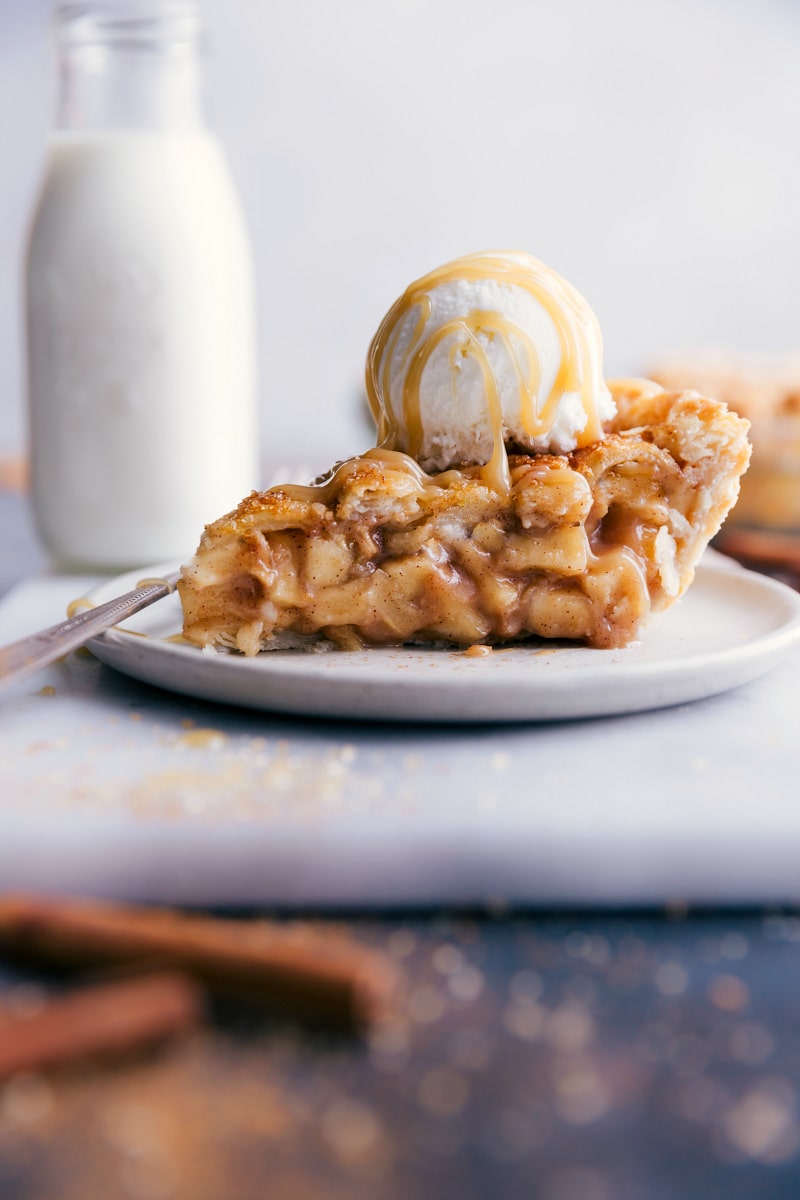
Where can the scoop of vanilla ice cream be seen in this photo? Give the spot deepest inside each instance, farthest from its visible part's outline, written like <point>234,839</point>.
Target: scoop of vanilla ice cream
<point>491,344</point>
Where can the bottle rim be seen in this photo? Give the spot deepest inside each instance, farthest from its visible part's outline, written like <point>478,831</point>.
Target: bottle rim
<point>131,23</point>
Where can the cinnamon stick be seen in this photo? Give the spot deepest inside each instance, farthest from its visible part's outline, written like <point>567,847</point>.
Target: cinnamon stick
<point>311,975</point>
<point>98,1022</point>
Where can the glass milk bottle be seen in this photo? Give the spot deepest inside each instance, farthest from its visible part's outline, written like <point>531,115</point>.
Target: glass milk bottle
<point>139,300</point>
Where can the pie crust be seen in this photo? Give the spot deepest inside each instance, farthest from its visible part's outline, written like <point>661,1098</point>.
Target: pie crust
<point>582,546</point>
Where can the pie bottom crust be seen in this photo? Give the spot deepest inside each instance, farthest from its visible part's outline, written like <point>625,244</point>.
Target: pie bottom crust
<point>584,546</point>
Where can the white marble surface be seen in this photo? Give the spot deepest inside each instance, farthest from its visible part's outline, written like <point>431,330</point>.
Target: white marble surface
<point>111,786</point>
<point>646,149</point>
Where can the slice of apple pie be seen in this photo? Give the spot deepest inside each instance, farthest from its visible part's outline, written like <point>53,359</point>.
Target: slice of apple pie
<point>579,545</point>
<point>514,493</point>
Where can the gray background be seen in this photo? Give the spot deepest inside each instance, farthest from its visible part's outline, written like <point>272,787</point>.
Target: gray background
<point>649,150</point>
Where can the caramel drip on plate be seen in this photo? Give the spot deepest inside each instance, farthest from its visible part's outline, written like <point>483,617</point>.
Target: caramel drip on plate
<point>80,605</point>
<point>579,369</point>
<point>155,581</point>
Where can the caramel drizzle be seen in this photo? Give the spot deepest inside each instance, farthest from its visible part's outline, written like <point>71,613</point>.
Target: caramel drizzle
<point>328,488</point>
<point>579,369</point>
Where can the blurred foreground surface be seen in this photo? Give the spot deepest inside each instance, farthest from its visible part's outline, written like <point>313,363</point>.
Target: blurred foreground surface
<point>565,1058</point>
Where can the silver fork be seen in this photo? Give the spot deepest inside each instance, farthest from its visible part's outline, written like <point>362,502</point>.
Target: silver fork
<point>30,654</point>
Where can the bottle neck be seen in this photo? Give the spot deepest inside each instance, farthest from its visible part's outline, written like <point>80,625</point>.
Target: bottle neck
<point>134,68</point>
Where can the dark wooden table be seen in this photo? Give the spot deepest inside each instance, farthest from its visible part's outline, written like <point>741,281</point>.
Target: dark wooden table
<point>603,1056</point>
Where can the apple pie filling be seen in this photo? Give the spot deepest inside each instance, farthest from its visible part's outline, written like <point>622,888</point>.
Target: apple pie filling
<point>581,546</point>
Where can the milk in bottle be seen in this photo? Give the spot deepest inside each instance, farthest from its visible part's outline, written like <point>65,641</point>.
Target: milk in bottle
<point>139,300</point>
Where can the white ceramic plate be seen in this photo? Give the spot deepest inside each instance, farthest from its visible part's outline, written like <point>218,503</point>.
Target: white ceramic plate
<point>730,627</point>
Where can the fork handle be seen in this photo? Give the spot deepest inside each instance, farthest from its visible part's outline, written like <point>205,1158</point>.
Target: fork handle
<point>22,658</point>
